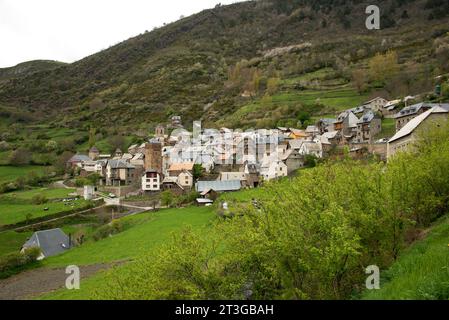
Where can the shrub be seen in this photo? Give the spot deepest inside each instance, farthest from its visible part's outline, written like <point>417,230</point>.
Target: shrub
<point>115,227</point>
<point>15,262</point>
<point>39,199</point>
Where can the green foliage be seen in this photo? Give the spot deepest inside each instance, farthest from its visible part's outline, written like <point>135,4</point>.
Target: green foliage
<point>115,227</point>
<point>14,262</point>
<point>198,171</point>
<point>39,199</point>
<point>421,272</point>
<point>167,198</point>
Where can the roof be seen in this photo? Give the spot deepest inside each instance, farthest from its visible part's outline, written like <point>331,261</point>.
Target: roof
<point>204,201</point>
<point>127,156</point>
<point>367,117</point>
<point>173,180</point>
<point>120,164</point>
<point>392,103</point>
<point>415,122</point>
<point>298,132</point>
<point>79,158</point>
<point>218,186</point>
<point>94,149</point>
<point>330,135</point>
<point>296,144</point>
<point>372,100</point>
<point>312,129</point>
<point>181,166</point>
<point>138,156</point>
<point>51,242</point>
<point>413,109</point>
<point>312,146</point>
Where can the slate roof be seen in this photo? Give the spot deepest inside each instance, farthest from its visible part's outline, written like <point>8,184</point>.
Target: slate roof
<point>296,144</point>
<point>120,164</point>
<point>218,186</point>
<point>79,158</point>
<point>413,109</point>
<point>51,242</point>
<point>366,118</point>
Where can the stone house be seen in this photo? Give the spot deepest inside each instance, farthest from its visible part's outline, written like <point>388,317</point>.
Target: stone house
<point>120,173</point>
<point>404,138</point>
<point>368,127</point>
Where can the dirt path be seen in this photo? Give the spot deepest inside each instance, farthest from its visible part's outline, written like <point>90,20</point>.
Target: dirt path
<point>33,283</point>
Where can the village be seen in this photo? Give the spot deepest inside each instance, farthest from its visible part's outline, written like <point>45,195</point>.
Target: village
<point>209,161</point>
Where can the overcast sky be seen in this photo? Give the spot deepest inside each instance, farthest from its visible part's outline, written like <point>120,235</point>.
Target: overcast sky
<point>68,30</point>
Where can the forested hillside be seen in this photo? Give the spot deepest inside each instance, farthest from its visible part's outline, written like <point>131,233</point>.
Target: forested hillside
<point>249,64</point>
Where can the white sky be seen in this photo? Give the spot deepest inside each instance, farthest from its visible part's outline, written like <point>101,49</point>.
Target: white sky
<point>68,30</point>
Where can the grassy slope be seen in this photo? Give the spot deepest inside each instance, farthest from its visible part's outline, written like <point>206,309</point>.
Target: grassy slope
<point>422,271</point>
<point>150,231</point>
<point>10,173</point>
<point>11,241</point>
<point>16,206</point>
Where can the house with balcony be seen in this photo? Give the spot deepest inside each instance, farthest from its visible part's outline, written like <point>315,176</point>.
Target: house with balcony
<point>120,173</point>
<point>368,127</point>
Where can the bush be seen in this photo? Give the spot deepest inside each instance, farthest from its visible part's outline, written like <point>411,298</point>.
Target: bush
<point>39,199</point>
<point>15,262</point>
<point>108,230</point>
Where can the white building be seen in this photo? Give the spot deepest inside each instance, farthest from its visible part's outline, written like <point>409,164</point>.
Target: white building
<point>151,181</point>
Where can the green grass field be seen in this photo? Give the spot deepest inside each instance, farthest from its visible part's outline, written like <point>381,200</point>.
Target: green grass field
<point>148,231</point>
<point>14,207</point>
<point>55,193</point>
<point>10,173</point>
<point>422,271</point>
<point>11,241</point>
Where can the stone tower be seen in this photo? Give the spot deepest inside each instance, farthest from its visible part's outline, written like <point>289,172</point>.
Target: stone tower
<point>153,156</point>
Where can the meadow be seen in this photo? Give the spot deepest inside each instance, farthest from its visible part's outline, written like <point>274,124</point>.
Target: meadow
<point>11,241</point>
<point>145,232</point>
<point>11,173</point>
<point>17,207</point>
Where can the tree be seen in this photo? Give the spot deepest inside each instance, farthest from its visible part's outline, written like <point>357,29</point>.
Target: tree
<point>92,137</point>
<point>4,146</point>
<point>359,79</point>
<point>51,145</point>
<point>198,171</point>
<point>60,164</point>
<point>167,198</point>
<point>20,157</point>
<point>273,85</point>
<point>117,142</point>
<point>383,66</point>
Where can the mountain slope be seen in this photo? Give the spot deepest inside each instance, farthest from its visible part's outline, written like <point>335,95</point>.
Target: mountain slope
<point>27,68</point>
<point>184,68</point>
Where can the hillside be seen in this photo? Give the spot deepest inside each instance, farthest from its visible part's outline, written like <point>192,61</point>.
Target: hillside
<point>252,63</point>
<point>28,68</point>
<point>421,273</point>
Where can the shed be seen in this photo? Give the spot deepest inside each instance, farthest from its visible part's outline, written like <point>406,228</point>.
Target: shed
<point>51,242</point>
